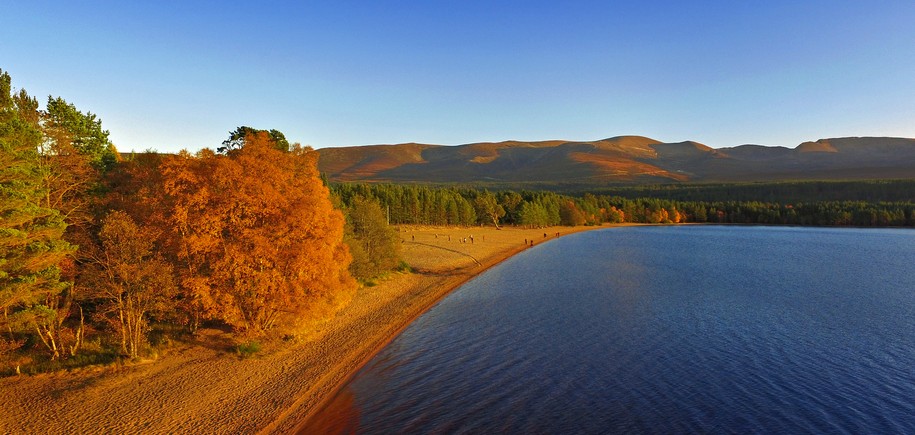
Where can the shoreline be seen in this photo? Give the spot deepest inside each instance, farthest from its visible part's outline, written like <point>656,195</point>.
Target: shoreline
<point>460,277</point>
<point>443,293</point>
<point>204,388</point>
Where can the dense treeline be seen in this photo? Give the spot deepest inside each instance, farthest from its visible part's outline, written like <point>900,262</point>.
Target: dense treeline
<point>411,204</point>
<point>97,251</point>
<point>774,192</point>
<point>902,190</point>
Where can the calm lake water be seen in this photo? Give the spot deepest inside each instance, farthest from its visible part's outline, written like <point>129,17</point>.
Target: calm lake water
<point>660,330</point>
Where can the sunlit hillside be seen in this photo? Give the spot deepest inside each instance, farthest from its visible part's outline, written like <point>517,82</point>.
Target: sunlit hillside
<point>623,159</point>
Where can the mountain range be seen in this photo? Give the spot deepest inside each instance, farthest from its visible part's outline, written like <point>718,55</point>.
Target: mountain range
<point>620,160</point>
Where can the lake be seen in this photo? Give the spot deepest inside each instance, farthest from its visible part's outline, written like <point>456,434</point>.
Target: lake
<point>661,330</point>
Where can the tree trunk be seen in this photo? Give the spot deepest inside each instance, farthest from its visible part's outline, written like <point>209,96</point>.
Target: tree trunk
<point>79,334</point>
<point>124,326</point>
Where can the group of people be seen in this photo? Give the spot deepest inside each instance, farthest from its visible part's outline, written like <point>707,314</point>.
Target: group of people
<point>531,241</point>
<point>468,239</point>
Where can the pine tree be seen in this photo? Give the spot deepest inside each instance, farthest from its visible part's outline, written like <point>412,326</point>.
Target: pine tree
<point>31,235</point>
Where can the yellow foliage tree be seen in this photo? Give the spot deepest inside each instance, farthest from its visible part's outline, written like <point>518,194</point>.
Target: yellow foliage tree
<point>260,242</point>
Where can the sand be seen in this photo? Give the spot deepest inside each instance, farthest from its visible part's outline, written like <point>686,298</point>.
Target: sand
<point>203,387</point>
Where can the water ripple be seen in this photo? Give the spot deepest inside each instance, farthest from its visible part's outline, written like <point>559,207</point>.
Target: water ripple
<point>664,330</point>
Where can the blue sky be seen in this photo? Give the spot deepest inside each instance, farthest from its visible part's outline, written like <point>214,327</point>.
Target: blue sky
<point>173,75</point>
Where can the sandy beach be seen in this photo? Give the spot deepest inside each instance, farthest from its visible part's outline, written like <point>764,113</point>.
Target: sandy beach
<point>203,387</point>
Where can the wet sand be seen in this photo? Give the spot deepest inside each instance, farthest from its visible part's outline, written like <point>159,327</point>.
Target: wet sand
<point>203,387</point>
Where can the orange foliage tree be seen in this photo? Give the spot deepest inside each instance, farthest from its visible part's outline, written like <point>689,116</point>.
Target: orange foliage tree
<point>131,278</point>
<point>260,243</point>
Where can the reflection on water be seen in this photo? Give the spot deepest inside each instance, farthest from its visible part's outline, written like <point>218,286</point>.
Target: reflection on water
<point>661,329</point>
<point>339,416</point>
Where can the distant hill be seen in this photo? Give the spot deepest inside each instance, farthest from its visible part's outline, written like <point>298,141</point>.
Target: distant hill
<point>622,159</point>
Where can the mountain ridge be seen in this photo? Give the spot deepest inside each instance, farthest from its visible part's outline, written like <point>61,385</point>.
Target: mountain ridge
<point>620,159</point>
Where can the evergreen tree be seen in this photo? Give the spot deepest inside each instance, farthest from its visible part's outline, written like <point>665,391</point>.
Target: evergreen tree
<point>31,235</point>
<point>63,122</point>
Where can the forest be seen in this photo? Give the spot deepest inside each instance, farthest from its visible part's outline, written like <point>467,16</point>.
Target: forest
<point>422,205</point>
<point>107,256</point>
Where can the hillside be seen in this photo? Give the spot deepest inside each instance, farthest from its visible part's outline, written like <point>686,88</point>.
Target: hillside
<point>622,159</point>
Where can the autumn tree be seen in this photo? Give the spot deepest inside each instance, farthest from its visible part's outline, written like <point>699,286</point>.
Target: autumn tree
<point>135,187</point>
<point>75,155</point>
<point>31,234</point>
<point>260,243</point>
<point>570,215</point>
<point>374,245</point>
<point>69,175</point>
<point>131,279</point>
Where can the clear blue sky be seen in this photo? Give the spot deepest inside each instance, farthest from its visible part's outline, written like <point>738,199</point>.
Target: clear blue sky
<point>172,75</point>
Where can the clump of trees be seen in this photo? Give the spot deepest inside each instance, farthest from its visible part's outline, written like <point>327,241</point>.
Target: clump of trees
<point>255,236</point>
<point>96,250</point>
<point>373,243</point>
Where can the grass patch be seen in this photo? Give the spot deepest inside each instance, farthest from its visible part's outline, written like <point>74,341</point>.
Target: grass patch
<point>74,362</point>
<point>248,349</point>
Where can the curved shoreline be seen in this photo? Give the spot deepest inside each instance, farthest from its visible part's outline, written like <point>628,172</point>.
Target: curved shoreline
<point>202,387</point>
<point>451,280</point>
<point>446,290</point>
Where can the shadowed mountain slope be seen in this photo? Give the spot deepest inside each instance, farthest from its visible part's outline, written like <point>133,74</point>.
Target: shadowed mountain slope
<point>623,159</point>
